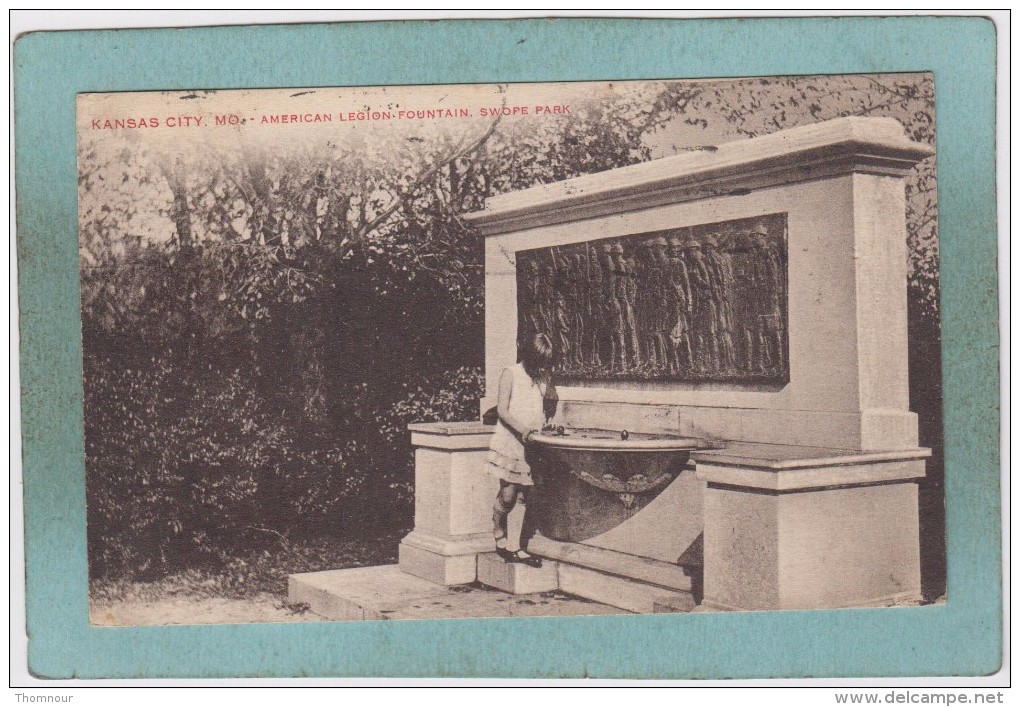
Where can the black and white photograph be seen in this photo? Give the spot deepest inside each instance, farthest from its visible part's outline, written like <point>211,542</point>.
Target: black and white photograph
<point>511,350</point>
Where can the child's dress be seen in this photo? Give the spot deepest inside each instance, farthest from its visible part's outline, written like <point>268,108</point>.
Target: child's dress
<point>506,452</point>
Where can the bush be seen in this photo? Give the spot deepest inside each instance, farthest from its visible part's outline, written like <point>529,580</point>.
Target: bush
<point>203,450</point>
<point>185,468</point>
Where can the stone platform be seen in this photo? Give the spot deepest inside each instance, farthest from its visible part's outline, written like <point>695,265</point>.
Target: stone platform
<point>385,592</point>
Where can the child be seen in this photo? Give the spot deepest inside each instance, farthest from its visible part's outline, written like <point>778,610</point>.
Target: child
<point>521,408</point>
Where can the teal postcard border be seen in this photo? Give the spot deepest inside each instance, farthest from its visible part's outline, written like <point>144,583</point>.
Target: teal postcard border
<point>962,637</point>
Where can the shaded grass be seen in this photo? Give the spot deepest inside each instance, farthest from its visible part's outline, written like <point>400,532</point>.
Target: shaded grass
<point>256,573</point>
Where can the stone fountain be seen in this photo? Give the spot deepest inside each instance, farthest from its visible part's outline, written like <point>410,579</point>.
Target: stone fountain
<point>731,330</point>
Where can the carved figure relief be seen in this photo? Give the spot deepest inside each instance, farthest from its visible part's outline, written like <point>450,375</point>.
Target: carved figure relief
<point>700,303</point>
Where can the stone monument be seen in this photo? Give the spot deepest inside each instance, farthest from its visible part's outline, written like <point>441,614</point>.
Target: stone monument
<point>751,296</point>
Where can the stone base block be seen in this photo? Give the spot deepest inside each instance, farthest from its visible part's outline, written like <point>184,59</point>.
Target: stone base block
<point>830,530</point>
<point>435,567</point>
<point>516,578</point>
<point>617,591</point>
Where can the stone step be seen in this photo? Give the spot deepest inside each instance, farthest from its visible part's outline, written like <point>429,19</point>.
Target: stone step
<point>385,593</point>
<point>621,592</point>
<point>638,584</point>
<point>641,569</point>
<point>516,578</point>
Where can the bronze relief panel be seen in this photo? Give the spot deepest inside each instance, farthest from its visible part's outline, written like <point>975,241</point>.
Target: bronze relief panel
<point>704,303</point>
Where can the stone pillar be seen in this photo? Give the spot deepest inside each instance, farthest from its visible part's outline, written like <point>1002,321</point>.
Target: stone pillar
<point>803,528</point>
<point>453,495</point>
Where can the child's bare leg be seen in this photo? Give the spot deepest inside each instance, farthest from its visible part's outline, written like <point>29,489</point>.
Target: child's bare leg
<point>528,523</point>
<point>520,531</point>
<point>506,498</point>
<point>515,522</point>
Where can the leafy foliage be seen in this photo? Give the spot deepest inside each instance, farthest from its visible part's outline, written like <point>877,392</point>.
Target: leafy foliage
<point>185,466</point>
<point>753,107</point>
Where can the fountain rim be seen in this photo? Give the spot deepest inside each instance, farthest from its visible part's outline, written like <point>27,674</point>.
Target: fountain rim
<point>659,443</point>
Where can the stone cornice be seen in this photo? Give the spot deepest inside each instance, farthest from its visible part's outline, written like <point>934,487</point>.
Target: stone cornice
<point>779,457</point>
<point>785,469</point>
<point>829,149</point>
<point>464,436</point>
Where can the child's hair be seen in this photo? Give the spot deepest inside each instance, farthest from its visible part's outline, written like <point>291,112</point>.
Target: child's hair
<point>537,354</point>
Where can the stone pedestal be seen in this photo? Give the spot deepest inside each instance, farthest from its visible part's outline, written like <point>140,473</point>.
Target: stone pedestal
<point>810,528</point>
<point>452,502</point>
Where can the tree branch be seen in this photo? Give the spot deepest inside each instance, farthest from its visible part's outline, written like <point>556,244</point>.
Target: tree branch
<point>428,174</point>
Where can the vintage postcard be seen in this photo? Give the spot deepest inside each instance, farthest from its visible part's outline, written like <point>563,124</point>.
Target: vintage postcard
<point>511,350</point>
<point>675,359</point>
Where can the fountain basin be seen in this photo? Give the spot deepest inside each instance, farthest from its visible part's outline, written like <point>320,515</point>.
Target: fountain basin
<point>589,481</point>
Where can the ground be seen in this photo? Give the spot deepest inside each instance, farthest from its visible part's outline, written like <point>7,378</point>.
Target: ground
<point>245,589</point>
<point>185,609</point>
<point>253,589</point>
<point>144,609</point>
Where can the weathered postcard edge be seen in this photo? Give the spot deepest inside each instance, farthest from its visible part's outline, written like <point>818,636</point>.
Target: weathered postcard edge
<point>52,425</point>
